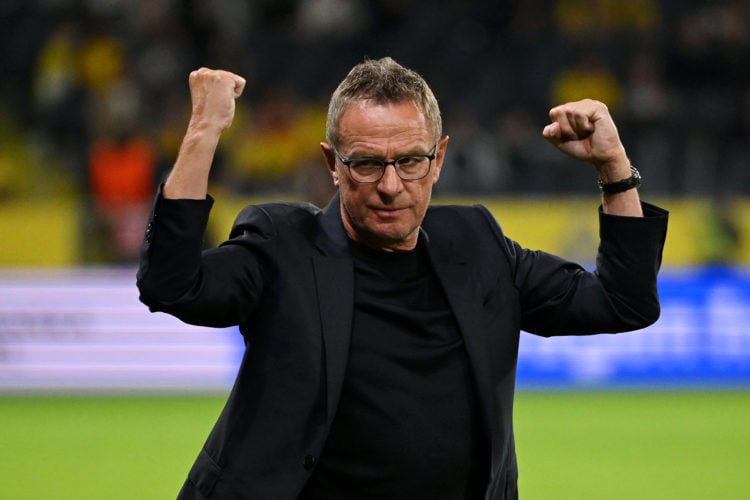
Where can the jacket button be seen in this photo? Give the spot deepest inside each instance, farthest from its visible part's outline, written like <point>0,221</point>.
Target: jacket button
<point>309,462</point>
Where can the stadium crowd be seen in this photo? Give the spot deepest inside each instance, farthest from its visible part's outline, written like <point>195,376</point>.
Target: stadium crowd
<point>94,97</point>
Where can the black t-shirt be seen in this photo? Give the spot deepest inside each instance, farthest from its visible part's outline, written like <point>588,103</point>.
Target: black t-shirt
<point>406,425</point>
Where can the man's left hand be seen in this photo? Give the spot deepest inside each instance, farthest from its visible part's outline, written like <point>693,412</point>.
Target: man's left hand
<point>585,130</point>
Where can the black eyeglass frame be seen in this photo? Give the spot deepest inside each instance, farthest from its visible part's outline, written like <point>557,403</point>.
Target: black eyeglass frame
<point>347,162</point>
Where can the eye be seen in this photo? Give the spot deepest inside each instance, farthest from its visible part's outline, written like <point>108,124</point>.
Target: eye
<point>367,164</point>
<point>410,165</point>
<point>409,161</point>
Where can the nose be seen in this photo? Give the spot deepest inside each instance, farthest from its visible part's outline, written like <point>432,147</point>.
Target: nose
<point>390,183</point>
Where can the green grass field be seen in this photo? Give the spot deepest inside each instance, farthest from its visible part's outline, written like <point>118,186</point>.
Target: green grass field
<point>571,445</point>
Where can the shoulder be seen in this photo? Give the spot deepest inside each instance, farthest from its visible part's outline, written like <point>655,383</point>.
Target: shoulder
<point>460,219</point>
<point>268,218</point>
<point>469,228</point>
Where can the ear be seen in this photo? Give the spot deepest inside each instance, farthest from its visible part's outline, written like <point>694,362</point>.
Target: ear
<point>439,158</point>
<point>330,157</point>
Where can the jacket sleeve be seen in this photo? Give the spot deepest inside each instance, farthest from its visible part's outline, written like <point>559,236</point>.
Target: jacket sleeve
<point>217,287</point>
<point>558,297</point>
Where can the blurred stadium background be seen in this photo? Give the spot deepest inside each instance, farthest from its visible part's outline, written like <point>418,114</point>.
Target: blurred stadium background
<point>100,399</point>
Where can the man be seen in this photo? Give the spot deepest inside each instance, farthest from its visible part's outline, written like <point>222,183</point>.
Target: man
<point>382,335</point>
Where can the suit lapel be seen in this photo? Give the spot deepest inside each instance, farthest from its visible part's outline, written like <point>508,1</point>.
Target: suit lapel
<point>334,281</point>
<point>452,267</point>
<point>335,287</point>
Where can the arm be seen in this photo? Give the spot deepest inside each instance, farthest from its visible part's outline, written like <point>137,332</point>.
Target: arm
<point>213,94</point>
<point>560,297</point>
<point>585,130</point>
<point>175,276</point>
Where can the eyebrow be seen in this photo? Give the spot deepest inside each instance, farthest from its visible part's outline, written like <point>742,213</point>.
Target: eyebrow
<point>416,151</point>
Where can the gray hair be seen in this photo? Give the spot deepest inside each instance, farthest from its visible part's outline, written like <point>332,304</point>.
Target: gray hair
<point>382,81</point>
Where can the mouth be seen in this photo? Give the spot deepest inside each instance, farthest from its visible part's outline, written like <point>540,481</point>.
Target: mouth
<point>388,213</point>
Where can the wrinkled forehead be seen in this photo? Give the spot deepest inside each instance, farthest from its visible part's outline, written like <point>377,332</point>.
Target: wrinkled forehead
<point>367,119</point>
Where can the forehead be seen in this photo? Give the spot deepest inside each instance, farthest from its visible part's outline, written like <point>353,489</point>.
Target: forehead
<point>366,122</point>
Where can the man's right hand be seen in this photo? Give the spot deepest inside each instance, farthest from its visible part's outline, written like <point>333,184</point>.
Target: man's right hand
<point>213,94</point>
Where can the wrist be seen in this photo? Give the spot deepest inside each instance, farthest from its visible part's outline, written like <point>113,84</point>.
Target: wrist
<point>624,183</point>
<point>204,129</point>
<point>200,139</point>
<point>616,168</point>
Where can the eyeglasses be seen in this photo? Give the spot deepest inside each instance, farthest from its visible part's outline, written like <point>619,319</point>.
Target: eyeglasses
<point>369,170</point>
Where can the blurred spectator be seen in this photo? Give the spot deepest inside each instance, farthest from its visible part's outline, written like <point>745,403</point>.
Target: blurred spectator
<point>588,77</point>
<point>59,101</point>
<point>16,181</point>
<point>720,239</point>
<point>646,120</point>
<point>530,166</point>
<point>320,19</point>
<point>273,141</point>
<point>473,162</point>
<point>102,62</point>
<point>605,18</point>
<point>122,172</point>
<point>122,185</point>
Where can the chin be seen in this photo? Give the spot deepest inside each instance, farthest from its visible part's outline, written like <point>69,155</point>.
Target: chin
<point>392,239</point>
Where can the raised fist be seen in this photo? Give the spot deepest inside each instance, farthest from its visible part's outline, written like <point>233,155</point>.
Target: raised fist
<point>213,94</point>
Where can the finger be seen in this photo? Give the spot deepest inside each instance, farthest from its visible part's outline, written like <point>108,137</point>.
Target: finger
<point>574,124</point>
<point>239,85</point>
<point>565,120</point>
<point>581,124</point>
<point>202,73</point>
<point>552,132</point>
<point>556,115</point>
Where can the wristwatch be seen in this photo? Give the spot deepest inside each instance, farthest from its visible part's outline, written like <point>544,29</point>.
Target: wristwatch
<point>634,181</point>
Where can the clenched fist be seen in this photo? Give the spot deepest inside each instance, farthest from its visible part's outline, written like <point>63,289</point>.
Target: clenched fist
<point>213,94</point>
<point>585,131</point>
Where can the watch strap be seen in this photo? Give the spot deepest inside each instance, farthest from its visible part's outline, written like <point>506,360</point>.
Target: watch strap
<point>632,182</point>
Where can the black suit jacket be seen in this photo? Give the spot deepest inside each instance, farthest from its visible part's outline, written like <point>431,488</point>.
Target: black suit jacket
<point>285,276</point>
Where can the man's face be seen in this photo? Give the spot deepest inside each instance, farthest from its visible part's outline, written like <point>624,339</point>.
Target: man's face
<point>385,214</point>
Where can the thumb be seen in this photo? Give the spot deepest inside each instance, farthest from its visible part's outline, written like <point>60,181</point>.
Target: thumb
<point>553,133</point>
